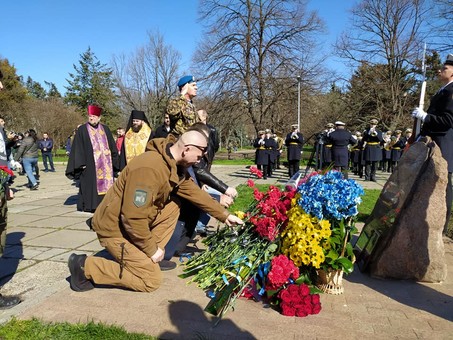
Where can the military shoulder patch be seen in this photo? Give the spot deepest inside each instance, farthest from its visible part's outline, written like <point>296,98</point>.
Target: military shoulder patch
<point>140,198</point>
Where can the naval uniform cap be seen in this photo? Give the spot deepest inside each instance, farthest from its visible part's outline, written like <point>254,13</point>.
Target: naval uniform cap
<point>339,123</point>
<point>449,60</point>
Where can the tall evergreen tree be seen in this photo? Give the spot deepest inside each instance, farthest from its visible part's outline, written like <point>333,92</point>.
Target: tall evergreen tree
<point>35,89</point>
<point>92,82</point>
<point>53,90</point>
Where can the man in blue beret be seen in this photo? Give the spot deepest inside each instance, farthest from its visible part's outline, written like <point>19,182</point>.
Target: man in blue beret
<point>181,110</point>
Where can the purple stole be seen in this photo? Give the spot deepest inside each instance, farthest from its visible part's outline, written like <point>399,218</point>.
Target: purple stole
<point>102,158</point>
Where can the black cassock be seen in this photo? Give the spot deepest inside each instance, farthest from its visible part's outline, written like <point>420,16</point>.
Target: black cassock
<point>81,167</point>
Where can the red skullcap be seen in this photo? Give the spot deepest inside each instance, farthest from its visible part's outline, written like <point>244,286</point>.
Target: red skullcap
<point>94,110</point>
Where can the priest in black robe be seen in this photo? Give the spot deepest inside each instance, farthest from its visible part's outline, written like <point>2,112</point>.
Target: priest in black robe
<point>93,161</point>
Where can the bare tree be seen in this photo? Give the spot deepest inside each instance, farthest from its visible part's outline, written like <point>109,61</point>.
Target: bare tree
<point>252,50</point>
<point>442,37</point>
<point>386,33</point>
<point>146,78</point>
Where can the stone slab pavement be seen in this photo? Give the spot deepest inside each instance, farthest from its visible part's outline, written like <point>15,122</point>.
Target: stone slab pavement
<point>45,228</point>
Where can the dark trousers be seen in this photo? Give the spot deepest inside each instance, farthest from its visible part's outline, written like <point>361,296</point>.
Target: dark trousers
<point>370,171</point>
<point>293,167</point>
<point>449,197</point>
<point>47,156</point>
<point>343,170</point>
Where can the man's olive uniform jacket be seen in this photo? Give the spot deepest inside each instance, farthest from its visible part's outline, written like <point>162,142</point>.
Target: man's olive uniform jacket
<point>141,192</point>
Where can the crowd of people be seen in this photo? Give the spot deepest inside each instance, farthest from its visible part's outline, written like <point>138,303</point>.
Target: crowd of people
<point>151,190</point>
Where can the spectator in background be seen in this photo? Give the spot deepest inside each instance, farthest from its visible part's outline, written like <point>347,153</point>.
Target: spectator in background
<point>214,140</point>
<point>163,130</point>
<point>93,160</point>
<point>28,151</point>
<point>119,139</point>
<point>46,146</point>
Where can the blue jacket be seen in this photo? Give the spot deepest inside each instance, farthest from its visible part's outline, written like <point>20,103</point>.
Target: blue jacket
<point>45,144</point>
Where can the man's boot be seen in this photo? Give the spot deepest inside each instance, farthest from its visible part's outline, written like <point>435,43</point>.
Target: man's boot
<point>79,282</point>
<point>8,301</point>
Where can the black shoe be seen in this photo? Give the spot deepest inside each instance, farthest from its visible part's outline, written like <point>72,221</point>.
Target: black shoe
<point>8,301</point>
<point>53,170</point>
<point>45,170</point>
<point>167,265</point>
<point>79,282</point>
<point>35,187</point>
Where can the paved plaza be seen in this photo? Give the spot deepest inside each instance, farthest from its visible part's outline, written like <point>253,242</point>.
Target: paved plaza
<point>45,228</point>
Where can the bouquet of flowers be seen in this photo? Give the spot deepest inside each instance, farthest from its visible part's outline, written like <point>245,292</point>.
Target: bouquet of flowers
<point>287,235</point>
<point>5,172</point>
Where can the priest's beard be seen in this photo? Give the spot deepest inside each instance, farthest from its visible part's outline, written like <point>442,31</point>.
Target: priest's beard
<point>136,128</point>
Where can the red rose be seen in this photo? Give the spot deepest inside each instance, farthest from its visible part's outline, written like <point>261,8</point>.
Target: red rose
<point>316,308</point>
<point>301,312</point>
<point>293,290</point>
<point>304,290</point>
<point>250,183</point>
<point>285,295</point>
<point>315,298</point>
<point>288,310</point>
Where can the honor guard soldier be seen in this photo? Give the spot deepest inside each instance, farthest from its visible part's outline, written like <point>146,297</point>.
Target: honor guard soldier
<point>261,158</point>
<point>372,153</point>
<point>438,123</point>
<point>327,150</point>
<point>340,140</point>
<point>397,145</point>
<point>386,162</point>
<point>279,140</point>
<point>356,155</point>
<point>294,142</point>
<point>271,150</point>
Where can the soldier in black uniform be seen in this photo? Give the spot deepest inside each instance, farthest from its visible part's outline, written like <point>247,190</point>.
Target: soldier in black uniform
<point>438,123</point>
<point>356,155</point>
<point>271,151</point>
<point>261,158</point>
<point>327,149</point>
<point>386,163</point>
<point>340,139</point>
<point>372,152</point>
<point>294,142</point>
<point>397,146</point>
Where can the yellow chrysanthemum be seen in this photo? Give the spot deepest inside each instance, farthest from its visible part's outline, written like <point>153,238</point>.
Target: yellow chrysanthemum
<point>240,214</point>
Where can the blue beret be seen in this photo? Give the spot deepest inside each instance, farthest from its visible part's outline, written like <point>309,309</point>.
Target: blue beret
<point>184,80</point>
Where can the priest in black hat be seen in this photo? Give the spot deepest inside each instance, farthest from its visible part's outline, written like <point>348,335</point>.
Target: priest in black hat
<point>438,123</point>
<point>138,133</point>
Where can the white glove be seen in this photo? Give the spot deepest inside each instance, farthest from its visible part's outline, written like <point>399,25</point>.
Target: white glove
<point>261,141</point>
<point>419,114</point>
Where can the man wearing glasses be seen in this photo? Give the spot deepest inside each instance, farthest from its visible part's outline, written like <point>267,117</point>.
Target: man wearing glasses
<point>138,215</point>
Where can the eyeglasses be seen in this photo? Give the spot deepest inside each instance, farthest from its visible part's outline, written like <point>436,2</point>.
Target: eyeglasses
<point>203,149</point>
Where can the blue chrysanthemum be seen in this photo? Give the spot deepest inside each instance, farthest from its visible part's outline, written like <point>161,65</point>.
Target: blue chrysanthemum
<point>330,196</point>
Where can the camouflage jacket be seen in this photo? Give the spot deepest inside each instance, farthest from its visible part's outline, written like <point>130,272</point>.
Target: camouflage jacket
<point>182,114</point>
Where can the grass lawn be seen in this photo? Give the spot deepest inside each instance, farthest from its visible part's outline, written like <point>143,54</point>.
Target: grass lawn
<point>37,330</point>
<point>245,198</point>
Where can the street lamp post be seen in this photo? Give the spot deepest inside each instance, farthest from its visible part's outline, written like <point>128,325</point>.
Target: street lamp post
<point>298,102</point>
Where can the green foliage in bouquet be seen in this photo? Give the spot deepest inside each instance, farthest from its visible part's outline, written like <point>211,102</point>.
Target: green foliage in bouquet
<point>339,252</point>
